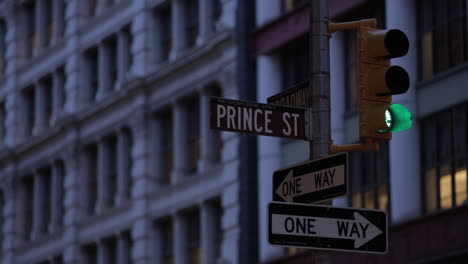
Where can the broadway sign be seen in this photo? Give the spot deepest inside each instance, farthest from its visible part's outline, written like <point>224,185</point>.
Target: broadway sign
<point>255,118</point>
<point>326,227</point>
<point>312,181</point>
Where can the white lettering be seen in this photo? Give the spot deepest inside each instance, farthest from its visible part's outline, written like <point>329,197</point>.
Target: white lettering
<point>248,118</point>
<point>231,112</point>
<point>287,131</point>
<point>295,116</point>
<point>221,113</point>
<point>256,113</point>
<point>267,121</point>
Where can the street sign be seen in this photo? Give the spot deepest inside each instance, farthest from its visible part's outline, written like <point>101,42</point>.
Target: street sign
<point>312,181</point>
<point>255,118</point>
<point>298,96</point>
<point>327,227</point>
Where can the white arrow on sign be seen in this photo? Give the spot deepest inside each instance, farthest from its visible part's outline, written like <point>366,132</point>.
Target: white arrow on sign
<point>360,229</point>
<point>310,182</point>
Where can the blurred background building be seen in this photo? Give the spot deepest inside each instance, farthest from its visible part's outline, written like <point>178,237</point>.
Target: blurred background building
<point>106,155</point>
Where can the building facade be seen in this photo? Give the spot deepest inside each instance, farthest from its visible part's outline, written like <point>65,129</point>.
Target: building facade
<point>106,155</point>
<point>419,177</point>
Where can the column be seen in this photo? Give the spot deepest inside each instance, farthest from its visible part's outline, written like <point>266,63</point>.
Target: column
<point>205,15</point>
<point>38,206</point>
<point>123,249</point>
<point>157,244</point>
<point>179,38</point>
<point>208,235</point>
<point>269,152</point>
<point>73,205</point>
<point>123,170</point>
<point>123,53</point>
<point>58,84</point>
<point>56,211</point>
<point>178,131</point>
<point>40,26</point>
<point>10,216</point>
<point>58,15</point>
<point>103,71</point>
<point>39,107</point>
<point>207,139</point>
<point>405,179</point>
<point>180,239</point>
<point>103,177</point>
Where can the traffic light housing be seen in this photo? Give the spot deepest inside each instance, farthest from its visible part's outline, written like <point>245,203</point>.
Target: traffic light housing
<point>378,81</point>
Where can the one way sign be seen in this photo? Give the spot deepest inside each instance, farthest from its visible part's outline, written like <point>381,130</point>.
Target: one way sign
<point>326,227</point>
<point>312,181</point>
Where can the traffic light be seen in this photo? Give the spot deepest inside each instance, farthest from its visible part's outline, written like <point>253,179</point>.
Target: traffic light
<point>378,81</point>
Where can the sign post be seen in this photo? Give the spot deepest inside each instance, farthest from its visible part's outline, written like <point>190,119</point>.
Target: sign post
<point>312,181</point>
<point>255,118</point>
<point>328,228</point>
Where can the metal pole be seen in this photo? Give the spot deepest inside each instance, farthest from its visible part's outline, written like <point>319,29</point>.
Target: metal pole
<point>319,59</point>
<point>319,105</point>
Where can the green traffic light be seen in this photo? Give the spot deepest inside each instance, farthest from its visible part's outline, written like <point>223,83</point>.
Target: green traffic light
<point>398,118</point>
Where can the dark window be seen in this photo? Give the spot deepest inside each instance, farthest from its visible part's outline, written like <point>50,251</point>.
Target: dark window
<point>91,58</point>
<point>165,141</point>
<point>27,192</point>
<point>111,168</point>
<point>288,5</point>
<point>193,237</point>
<point>444,158</point>
<point>29,26</point>
<point>295,62</point>
<point>91,176</point>
<point>164,34</point>
<point>191,16</point>
<point>217,12</point>
<point>49,21</point>
<point>29,109</point>
<point>167,242</point>
<point>193,134</point>
<point>2,123</point>
<point>46,85</point>
<point>442,35</point>
<point>111,46</point>
<point>369,179</point>
<point>90,254</point>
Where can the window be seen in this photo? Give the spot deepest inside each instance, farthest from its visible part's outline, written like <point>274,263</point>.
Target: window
<point>166,149</point>
<point>29,109</point>
<point>29,28</point>
<point>27,189</point>
<point>166,242</point>
<point>444,158</point>
<point>369,179</point>
<point>295,62</point>
<point>91,62</point>
<point>193,136</point>
<point>127,159</point>
<point>92,7</point>
<point>163,32</point>
<point>442,35</point>
<point>90,254</point>
<point>288,5</point>
<point>111,168</point>
<point>110,249</point>
<point>49,21</point>
<point>91,168</point>
<point>111,46</point>
<point>193,237</point>
<point>47,200</point>
<point>191,16</point>
<point>218,227</point>
<point>217,12</point>
<point>46,85</point>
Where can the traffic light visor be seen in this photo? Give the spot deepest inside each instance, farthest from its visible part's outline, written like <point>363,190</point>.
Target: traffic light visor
<point>398,118</point>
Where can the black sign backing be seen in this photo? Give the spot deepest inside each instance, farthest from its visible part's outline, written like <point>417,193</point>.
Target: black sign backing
<point>326,227</point>
<point>312,181</point>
